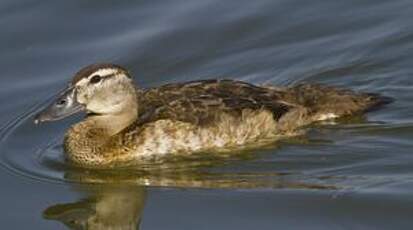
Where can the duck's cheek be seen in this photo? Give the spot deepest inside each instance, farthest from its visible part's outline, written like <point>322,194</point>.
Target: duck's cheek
<point>82,98</point>
<point>101,107</point>
<point>95,107</point>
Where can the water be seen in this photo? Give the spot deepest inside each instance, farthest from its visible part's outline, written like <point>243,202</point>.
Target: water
<point>352,175</point>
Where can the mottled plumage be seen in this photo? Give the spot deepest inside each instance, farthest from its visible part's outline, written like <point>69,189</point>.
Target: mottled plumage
<point>202,102</point>
<point>127,124</point>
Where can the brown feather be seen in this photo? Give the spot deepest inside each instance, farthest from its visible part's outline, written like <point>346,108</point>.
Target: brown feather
<point>199,102</point>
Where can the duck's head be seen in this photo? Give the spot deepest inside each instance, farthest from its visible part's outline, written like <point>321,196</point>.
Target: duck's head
<point>99,89</point>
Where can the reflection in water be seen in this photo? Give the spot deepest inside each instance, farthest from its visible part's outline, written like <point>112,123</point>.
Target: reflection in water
<point>105,207</point>
<point>117,201</point>
<point>180,175</point>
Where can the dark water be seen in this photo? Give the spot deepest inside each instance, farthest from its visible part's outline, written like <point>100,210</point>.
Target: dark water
<point>353,175</point>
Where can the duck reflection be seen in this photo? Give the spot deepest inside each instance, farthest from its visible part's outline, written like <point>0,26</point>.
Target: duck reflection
<point>115,199</point>
<point>105,207</point>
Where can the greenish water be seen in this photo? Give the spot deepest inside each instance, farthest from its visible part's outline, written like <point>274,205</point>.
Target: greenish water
<point>353,175</point>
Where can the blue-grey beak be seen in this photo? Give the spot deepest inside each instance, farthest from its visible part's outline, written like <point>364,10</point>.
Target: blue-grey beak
<point>64,106</point>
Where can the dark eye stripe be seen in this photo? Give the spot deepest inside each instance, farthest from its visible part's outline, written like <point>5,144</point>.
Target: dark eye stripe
<point>95,79</point>
<point>98,78</point>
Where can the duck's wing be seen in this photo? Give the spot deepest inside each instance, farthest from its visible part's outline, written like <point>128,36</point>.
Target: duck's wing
<point>201,102</point>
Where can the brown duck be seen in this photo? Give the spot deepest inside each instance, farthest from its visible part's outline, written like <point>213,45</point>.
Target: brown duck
<point>125,124</point>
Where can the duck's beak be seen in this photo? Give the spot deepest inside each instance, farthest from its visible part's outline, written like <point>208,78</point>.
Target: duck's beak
<point>64,106</point>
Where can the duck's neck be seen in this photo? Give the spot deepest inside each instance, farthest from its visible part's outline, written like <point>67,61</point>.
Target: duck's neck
<point>113,123</point>
<point>87,142</point>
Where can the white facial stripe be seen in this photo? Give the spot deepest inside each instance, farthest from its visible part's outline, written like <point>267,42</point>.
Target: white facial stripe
<point>100,72</point>
<point>84,81</point>
<point>104,72</point>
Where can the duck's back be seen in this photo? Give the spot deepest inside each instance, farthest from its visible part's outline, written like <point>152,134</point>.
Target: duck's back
<point>201,102</point>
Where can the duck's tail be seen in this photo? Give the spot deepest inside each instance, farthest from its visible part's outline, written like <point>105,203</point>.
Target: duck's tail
<point>377,101</point>
<point>325,102</point>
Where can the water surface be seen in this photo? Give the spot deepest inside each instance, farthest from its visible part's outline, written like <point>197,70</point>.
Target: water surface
<point>353,175</point>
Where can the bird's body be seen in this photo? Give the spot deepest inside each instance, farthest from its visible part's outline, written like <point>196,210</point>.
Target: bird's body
<point>197,116</point>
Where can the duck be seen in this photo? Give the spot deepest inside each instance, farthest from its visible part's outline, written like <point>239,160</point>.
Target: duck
<point>125,124</point>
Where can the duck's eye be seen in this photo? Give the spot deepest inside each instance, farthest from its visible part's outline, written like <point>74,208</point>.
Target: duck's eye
<point>95,79</point>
